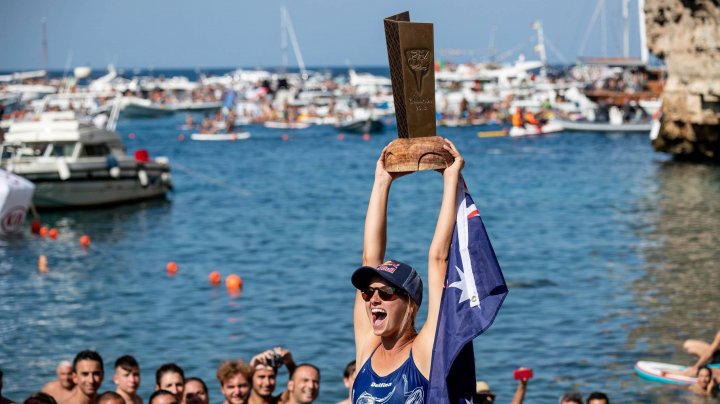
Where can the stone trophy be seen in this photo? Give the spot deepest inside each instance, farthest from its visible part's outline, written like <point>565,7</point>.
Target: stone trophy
<point>412,71</point>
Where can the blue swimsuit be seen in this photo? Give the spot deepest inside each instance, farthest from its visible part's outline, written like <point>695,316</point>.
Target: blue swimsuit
<point>404,385</point>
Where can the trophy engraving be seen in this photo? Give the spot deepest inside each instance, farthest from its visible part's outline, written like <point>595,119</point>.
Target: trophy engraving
<point>419,62</point>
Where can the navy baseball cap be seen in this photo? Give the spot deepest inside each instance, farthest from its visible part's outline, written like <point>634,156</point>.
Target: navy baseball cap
<point>400,275</point>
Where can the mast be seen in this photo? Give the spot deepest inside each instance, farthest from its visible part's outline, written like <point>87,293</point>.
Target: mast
<point>643,33</point>
<point>289,30</point>
<point>541,47</point>
<point>626,29</point>
<point>45,43</point>
<point>283,38</point>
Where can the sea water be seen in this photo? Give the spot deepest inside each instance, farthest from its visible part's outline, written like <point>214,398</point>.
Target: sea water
<point>609,250</point>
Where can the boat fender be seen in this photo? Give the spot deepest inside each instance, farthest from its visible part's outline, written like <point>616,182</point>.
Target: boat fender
<point>143,177</point>
<point>166,178</point>
<point>63,169</point>
<point>112,165</point>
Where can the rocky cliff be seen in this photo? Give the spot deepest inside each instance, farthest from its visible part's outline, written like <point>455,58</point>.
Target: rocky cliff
<point>686,34</point>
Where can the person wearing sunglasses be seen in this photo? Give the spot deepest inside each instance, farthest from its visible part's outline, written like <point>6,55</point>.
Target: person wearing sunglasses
<point>395,358</point>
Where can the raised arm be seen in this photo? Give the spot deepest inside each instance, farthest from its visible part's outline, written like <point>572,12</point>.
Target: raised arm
<point>438,259</point>
<point>374,242</point>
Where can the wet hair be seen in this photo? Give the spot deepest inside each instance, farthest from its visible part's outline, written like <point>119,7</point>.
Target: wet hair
<point>87,355</point>
<point>199,380</point>
<point>109,395</point>
<point>598,395</point>
<point>158,393</point>
<point>305,365</point>
<point>228,369</point>
<point>168,368</point>
<point>40,398</point>
<point>349,369</point>
<point>410,313</point>
<point>126,362</point>
<point>572,396</point>
<point>701,368</point>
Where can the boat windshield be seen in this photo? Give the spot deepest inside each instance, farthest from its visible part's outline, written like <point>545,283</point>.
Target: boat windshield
<point>64,149</point>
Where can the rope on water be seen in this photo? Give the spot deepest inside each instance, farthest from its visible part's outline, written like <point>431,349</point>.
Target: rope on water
<point>223,184</point>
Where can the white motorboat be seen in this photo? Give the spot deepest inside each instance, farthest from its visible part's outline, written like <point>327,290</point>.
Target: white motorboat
<point>533,130</point>
<point>144,108</point>
<point>74,163</point>
<point>286,125</point>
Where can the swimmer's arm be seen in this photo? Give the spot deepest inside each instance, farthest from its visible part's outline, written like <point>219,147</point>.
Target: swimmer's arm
<point>374,243</point>
<point>438,260</point>
<point>520,392</point>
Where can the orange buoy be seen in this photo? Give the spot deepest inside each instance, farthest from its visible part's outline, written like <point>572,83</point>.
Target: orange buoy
<point>131,136</point>
<point>341,136</point>
<point>53,233</point>
<point>366,136</point>
<point>215,278</point>
<point>181,137</point>
<point>35,226</point>
<point>85,240</point>
<point>172,267</point>
<point>42,264</point>
<point>233,282</point>
<point>43,231</point>
<point>285,137</point>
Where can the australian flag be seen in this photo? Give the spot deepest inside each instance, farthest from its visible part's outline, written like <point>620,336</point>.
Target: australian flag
<point>474,291</point>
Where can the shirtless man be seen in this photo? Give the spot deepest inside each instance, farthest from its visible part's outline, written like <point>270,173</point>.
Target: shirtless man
<point>111,397</point>
<point>61,388</point>
<point>88,377</point>
<point>235,378</point>
<point>304,385</point>
<point>127,379</point>
<point>264,377</point>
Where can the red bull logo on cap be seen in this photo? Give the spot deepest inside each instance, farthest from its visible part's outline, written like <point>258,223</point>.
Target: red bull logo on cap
<point>389,266</point>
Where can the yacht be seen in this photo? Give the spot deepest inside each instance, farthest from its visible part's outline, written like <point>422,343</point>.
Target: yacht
<point>75,162</point>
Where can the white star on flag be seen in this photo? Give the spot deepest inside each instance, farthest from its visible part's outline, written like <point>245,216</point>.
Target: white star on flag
<point>461,284</point>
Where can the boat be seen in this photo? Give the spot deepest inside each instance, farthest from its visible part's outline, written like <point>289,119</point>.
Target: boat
<point>196,106</point>
<point>15,196</point>
<point>534,130</point>
<point>74,163</point>
<point>142,108</point>
<point>286,125</point>
<point>588,126</point>
<point>369,125</point>
<point>220,136</point>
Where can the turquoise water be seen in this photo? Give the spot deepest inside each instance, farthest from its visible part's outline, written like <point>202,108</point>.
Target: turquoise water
<point>609,249</point>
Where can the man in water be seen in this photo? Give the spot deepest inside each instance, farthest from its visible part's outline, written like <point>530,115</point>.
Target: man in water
<point>88,376</point>
<point>127,379</point>
<point>163,397</point>
<point>196,390</point>
<point>264,379</point>
<point>598,397</point>
<point>235,379</point>
<point>706,354</point>
<point>170,377</point>
<point>111,397</point>
<point>348,379</point>
<point>303,386</point>
<point>61,388</point>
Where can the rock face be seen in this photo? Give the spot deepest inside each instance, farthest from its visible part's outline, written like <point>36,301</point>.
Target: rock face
<point>686,34</point>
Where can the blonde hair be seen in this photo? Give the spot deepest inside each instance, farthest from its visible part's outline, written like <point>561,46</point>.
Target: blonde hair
<point>410,313</point>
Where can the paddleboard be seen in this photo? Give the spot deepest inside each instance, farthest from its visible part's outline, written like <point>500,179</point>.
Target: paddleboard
<point>657,372</point>
<point>220,136</point>
<point>286,125</point>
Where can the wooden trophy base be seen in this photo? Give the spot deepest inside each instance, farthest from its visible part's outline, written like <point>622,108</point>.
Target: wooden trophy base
<point>416,154</point>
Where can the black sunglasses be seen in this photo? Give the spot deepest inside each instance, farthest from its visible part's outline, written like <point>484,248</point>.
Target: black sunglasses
<point>386,293</point>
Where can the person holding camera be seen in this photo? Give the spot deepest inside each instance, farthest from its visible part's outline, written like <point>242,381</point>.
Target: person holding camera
<point>265,368</point>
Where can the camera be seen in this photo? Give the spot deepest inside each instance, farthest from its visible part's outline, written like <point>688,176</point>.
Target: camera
<point>275,361</point>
